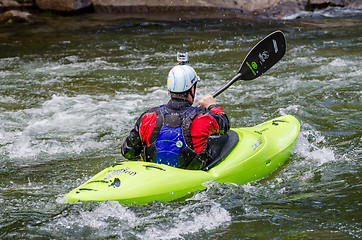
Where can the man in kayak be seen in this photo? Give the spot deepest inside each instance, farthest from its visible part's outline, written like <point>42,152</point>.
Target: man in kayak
<point>176,133</point>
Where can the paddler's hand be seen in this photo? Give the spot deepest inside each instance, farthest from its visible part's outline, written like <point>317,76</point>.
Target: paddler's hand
<point>207,101</point>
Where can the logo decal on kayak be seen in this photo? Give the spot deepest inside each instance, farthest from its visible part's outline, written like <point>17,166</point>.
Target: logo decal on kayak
<point>125,170</point>
<point>257,144</point>
<point>116,183</point>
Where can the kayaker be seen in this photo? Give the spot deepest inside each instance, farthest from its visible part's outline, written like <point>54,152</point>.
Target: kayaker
<point>176,133</point>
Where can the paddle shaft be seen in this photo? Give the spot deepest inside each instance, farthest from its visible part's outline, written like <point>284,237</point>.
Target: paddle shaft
<point>227,85</point>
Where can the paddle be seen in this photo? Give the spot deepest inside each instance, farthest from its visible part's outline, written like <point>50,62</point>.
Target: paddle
<point>260,59</point>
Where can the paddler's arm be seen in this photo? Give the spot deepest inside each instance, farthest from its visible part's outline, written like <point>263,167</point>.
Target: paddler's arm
<point>216,112</point>
<point>132,146</point>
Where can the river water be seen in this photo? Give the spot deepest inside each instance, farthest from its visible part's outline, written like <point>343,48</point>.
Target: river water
<point>71,90</point>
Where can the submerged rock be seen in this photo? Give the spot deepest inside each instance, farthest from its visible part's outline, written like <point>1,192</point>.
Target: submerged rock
<point>63,5</point>
<point>201,8</point>
<point>20,5</point>
<point>160,9</point>
<point>321,4</point>
<point>353,4</point>
<point>10,3</point>
<point>15,16</point>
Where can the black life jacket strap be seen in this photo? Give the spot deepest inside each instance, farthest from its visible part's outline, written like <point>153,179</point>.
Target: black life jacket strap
<point>186,124</point>
<point>159,123</point>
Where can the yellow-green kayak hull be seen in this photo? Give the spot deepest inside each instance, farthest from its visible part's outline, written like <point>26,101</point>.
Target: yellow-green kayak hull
<point>260,151</point>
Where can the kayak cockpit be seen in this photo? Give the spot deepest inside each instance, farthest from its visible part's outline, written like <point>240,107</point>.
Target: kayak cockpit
<point>218,147</point>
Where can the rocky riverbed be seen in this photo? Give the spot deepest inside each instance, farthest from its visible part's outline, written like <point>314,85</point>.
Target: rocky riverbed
<point>23,10</point>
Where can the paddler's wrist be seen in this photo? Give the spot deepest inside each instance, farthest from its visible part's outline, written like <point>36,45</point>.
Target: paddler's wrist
<point>207,101</point>
<point>212,106</point>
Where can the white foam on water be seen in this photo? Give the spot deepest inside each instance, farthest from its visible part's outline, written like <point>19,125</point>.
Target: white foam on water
<point>107,218</point>
<point>98,217</point>
<point>5,62</point>
<point>73,125</point>
<point>26,188</point>
<point>64,125</point>
<point>6,74</point>
<point>330,12</point>
<point>189,220</point>
<point>7,99</point>
<point>157,221</point>
<point>339,67</point>
<point>73,66</point>
<point>303,50</point>
<point>292,109</point>
<point>315,155</point>
<point>312,150</point>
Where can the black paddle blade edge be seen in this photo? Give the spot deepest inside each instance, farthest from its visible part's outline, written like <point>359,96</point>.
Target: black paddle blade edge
<point>263,56</point>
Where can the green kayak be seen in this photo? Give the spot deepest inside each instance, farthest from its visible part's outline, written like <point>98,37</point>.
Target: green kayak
<point>248,154</point>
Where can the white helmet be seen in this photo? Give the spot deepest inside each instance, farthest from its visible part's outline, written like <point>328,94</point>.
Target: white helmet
<point>181,78</point>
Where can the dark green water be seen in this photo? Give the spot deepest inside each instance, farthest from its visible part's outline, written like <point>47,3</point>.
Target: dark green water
<point>71,90</point>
